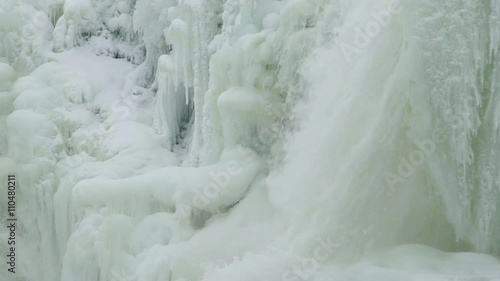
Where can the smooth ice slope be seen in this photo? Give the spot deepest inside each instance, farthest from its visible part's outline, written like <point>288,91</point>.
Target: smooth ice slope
<point>252,140</point>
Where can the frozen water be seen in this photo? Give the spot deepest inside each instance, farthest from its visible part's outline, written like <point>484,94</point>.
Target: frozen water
<point>252,139</point>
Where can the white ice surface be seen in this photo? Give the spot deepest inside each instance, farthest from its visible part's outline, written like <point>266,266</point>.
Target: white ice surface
<point>252,140</point>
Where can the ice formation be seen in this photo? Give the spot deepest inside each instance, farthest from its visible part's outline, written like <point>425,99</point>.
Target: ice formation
<point>252,139</point>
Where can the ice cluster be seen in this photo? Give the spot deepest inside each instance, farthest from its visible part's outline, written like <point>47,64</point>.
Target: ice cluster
<point>252,139</point>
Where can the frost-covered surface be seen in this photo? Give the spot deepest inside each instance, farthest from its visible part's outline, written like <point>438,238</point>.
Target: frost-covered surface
<point>252,139</point>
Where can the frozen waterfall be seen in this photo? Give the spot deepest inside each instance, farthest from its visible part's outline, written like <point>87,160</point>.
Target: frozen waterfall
<point>273,140</point>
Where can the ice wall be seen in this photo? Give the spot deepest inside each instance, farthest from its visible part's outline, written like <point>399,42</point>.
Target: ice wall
<point>252,139</point>
<point>464,105</point>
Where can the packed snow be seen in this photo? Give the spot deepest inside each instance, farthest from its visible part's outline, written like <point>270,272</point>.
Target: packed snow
<point>278,140</point>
